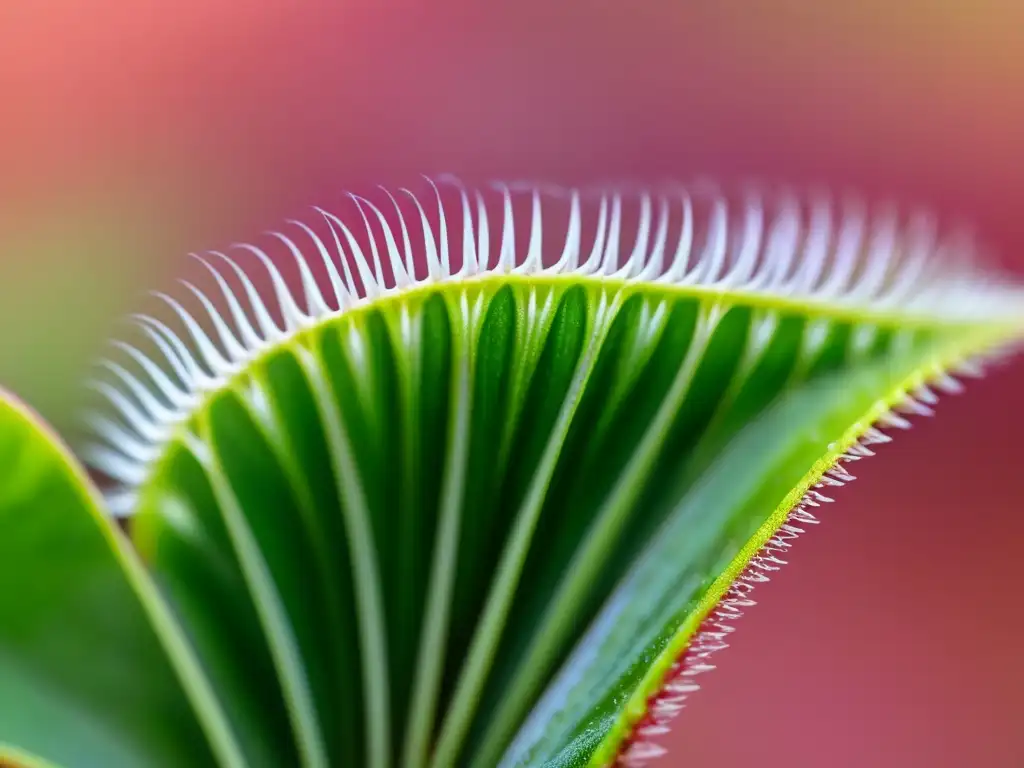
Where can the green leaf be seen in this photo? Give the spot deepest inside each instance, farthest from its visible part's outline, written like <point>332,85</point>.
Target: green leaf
<point>85,673</point>
<point>473,505</point>
<point>644,627</point>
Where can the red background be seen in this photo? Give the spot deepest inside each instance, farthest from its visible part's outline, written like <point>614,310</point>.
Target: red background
<point>134,132</point>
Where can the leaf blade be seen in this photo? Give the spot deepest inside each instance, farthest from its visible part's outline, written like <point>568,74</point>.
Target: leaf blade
<point>124,700</point>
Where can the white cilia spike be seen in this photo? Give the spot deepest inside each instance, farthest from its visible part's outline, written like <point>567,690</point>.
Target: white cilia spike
<point>713,259</point>
<point>216,360</point>
<point>774,246</point>
<point>378,269</point>
<point>875,437</point>
<point>182,361</point>
<point>744,269</point>
<point>143,423</point>
<point>442,226</point>
<point>782,248</point>
<point>118,438</point>
<point>333,276</point>
<point>595,259</point>
<point>949,385</point>
<point>816,248</point>
<point>293,317</point>
<point>507,249</point>
<point>678,269</point>
<point>116,465</point>
<point>841,474</point>
<point>249,339</point>
<point>178,366</point>
<point>610,255</point>
<point>915,407</point>
<point>628,251</point>
<point>925,395</point>
<point>893,420</point>
<point>234,351</point>
<point>860,451</point>
<point>570,258</point>
<point>410,264</point>
<point>469,258</point>
<point>270,330</point>
<point>434,269</point>
<point>532,264</point>
<point>349,295</point>
<point>641,753</point>
<point>120,503</point>
<point>634,265</point>
<point>920,242</point>
<point>315,304</point>
<point>395,259</point>
<point>483,239</point>
<point>655,263</point>
<point>172,394</point>
<point>881,244</point>
<point>848,249</point>
<point>970,368</point>
<point>150,404</point>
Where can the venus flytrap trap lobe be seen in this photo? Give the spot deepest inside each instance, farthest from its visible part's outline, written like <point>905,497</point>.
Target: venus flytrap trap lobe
<point>483,490</point>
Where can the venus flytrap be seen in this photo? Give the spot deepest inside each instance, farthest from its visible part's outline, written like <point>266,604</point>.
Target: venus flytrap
<point>475,477</point>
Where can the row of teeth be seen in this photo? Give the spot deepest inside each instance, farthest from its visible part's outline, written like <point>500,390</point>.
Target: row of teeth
<point>778,246</point>
<point>643,746</point>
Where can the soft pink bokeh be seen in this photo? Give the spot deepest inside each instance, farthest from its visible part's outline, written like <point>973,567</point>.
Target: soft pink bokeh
<point>893,639</point>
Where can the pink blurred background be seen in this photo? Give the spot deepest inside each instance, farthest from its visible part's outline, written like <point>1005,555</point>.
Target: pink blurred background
<point>135,132</point>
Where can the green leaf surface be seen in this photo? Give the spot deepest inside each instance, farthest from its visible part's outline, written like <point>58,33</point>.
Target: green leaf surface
<point>578,447</point>
<point>84,678</point>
